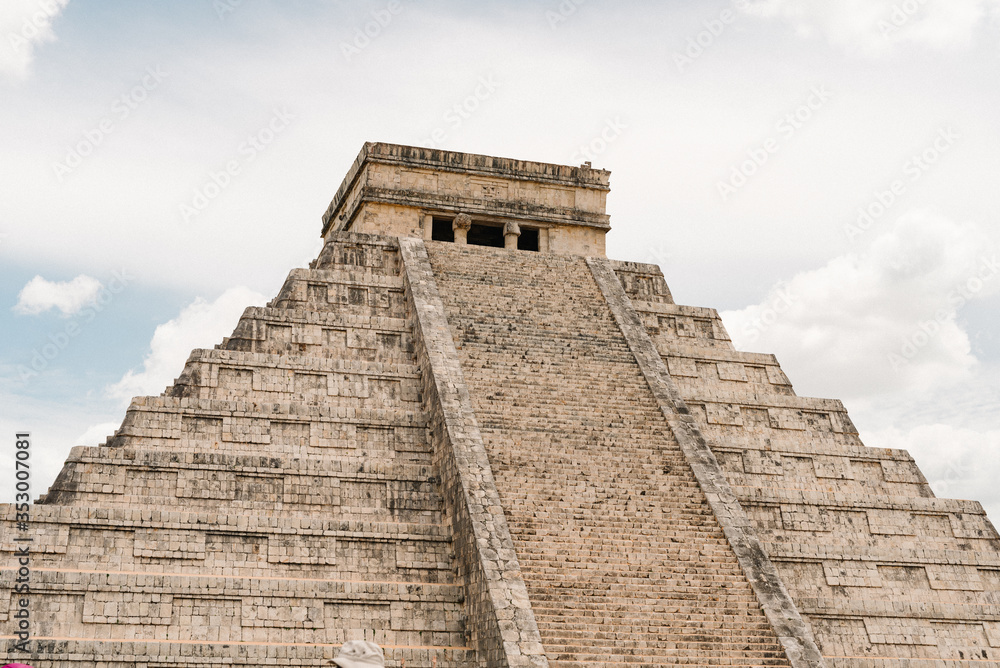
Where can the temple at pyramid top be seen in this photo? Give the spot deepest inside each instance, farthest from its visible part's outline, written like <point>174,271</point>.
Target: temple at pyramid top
<point>450,196</point>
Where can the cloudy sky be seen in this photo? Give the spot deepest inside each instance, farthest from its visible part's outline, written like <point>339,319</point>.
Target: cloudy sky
<point>821,171</point>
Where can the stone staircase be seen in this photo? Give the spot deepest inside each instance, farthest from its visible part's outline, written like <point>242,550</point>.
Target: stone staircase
<point>624,561</point>
<point>887,575</point>
<point>280,498</point>
<point>479,456</point>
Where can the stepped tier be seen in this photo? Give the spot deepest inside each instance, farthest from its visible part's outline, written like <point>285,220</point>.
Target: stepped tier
<point>279,498</point>
<point>518,454</point>
<point>886,574</point>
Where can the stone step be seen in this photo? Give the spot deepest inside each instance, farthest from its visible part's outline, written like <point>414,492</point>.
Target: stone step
<point>314,334</point>
<point>967,604</point>
<point>669,646</point>
<point>348,363</point>
<point>348,292</point>
<point>727,438</point>
<point>166,480</point>
<point>199,608</point>
<point>129,653</point>
<point>888,549</point>
<point>248,426</point>
<point>244,544</point>
<point>681,349</point>
<point>375,253</point>
<point>699,660</point>
<point>373,489</point>
<point>816,501</point>
<point>234,375</point>
<point>642,282</point>
<point>606,572</point>
<point>934,659</point>
<point>576,439</point>
<point>368,468</point>
<point>586,627</point>
<point>619,661</point>
<point>829,459</point>
<point>693,326</point>
<point>688,594</point>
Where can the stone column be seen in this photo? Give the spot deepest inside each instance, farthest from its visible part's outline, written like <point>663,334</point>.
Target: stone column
<point>543,240</point>
<point>428,222</point>
<point>511,231</point>
<point>461,226</point>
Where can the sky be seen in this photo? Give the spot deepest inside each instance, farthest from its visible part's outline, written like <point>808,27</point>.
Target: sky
<point>821,171</point>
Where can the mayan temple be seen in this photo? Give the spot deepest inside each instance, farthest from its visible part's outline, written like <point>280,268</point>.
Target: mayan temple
<point>465,434</point>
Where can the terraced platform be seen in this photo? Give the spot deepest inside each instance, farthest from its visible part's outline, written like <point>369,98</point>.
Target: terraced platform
<point>464,434</point>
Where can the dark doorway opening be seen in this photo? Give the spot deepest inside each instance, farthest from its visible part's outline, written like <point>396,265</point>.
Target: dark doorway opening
<point>485,235</point>
<point>441,230</point>
<point>528,240</point>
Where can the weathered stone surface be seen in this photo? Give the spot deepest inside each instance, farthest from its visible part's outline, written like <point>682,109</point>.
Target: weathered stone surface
<point>281,497</point>
<point>488,560</point>
<point>622,558</point>
<point>400,190</point>
<point>795,635</point>
<point>488,456</point>
<point>883,573</point>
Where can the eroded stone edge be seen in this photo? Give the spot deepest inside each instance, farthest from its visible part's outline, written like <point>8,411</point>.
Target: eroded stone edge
<point>499,612</point>
<point>792,630</point>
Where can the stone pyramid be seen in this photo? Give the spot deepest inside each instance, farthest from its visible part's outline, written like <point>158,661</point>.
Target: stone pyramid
<point>466,435</point>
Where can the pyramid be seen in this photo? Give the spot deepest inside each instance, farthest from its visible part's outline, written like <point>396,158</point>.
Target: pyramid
<point>465,434</point>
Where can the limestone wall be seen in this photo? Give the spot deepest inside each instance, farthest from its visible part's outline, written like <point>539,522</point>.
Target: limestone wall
<point>480,456</point>
<point>396,190</point>
<point>886,574</point>
<point>281,497</point>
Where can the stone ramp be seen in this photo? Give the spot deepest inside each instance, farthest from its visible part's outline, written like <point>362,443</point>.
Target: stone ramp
<point>887,575</point>
<point>622,556</point>
<point>280,498</point>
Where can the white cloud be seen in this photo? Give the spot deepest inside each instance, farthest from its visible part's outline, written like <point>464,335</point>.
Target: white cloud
<point>958,463</point>
<point>199,325</point>
<point>881,321</point>
<point>24,24</point>
<point>876,26</point>
<point>70,297</point>
<point>96,434</point>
